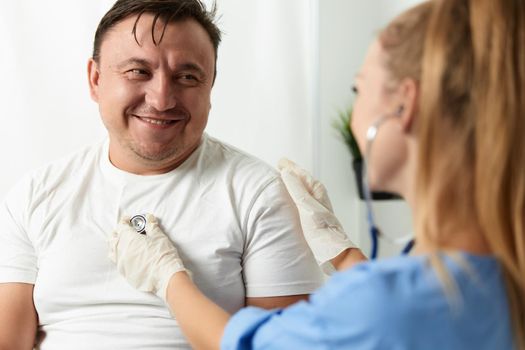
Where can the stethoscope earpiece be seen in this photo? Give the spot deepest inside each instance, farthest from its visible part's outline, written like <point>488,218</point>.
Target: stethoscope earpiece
<point>400,110</point>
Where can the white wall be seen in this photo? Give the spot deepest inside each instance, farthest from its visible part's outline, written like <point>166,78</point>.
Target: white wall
<point>46,110</point>
<point>285,68</point>
<point>263,98</point>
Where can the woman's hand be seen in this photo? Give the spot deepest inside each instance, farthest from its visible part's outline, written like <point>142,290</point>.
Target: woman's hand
<point>147,260</point>
<point>322,230</point>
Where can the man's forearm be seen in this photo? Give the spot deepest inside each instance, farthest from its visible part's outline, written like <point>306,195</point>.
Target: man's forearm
<point>18,317</point>
<point>275,302</point>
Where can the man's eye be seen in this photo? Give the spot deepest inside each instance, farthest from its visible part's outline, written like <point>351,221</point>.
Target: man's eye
<point>188,80</point>
<point>137,72</point>
<point>188,77</point>
<point>354,89</point>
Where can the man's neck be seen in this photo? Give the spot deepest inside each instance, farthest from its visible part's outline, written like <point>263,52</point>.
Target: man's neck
<point>131,162</point>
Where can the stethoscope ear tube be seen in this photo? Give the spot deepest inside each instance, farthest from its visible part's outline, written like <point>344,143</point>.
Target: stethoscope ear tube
<point>408,247</point>
<point>374,234</point>
<point>374,230</point>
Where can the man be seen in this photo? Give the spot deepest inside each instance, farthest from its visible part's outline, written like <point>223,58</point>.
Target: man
<point>151,74</point>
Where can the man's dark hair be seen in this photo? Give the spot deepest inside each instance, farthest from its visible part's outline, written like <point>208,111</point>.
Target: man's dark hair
<point>166,10</point>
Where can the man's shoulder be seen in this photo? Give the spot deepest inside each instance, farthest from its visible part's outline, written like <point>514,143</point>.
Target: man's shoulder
<point>82,155</point>
<point>71,164</point>
<point>236,162</point>
<point>37,184</point>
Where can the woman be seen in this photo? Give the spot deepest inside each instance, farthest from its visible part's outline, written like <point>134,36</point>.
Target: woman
<point>443,89</point>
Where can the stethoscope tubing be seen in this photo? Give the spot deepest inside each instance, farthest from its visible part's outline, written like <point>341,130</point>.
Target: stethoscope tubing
<point>374,230</point>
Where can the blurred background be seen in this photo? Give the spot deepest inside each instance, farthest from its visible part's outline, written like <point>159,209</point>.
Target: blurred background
<point>285,70</point>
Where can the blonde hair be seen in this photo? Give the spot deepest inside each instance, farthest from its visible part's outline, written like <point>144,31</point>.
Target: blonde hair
<point>469,57</point>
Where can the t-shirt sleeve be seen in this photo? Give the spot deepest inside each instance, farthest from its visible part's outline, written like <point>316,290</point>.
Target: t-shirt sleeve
<point>18,261</point>
<point>277,260</point>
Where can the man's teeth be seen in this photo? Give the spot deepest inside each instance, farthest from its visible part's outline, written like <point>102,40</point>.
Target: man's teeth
<point>157,121</point>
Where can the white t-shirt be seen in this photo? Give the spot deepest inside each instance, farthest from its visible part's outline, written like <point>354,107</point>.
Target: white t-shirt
<point>230,215</point>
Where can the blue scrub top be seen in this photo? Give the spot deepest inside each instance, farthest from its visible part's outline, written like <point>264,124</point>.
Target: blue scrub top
<point>395,303</point>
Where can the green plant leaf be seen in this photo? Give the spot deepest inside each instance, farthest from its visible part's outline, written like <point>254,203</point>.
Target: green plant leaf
<point>342,125</point>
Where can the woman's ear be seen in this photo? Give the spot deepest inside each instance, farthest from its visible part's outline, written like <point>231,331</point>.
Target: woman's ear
<point>407,110</point>
<point>93,76</point>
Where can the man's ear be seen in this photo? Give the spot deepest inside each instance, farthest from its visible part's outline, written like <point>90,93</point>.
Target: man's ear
<point>93,76</point>
<point>408,105</point>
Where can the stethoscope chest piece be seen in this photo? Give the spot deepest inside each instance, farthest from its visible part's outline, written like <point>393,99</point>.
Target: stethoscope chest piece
<point>139,223</point>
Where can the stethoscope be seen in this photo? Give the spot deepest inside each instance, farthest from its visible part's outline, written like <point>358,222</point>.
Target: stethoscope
<point>138,222</point>
<point>374,230</point>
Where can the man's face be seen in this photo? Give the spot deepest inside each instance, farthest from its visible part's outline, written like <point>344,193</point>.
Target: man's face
<point>154,99</point>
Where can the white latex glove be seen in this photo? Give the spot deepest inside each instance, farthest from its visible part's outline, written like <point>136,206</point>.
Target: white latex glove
<point>321,229</point>
<point>148,260</point>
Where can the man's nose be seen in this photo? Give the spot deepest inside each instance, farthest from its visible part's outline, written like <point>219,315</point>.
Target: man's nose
<point>160,93</point>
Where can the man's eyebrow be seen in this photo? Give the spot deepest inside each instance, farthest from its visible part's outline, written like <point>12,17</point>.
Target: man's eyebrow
<point>142,62</point>
<point>133,61</point>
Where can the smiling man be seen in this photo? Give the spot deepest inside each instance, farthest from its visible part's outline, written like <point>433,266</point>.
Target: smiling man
<point>152,71</point>
<point>154,96</point>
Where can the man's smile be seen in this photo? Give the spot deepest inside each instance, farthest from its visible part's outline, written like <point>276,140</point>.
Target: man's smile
<point>160,121</point>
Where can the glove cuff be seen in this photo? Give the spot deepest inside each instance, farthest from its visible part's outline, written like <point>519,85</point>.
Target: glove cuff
<point>327,245</point>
